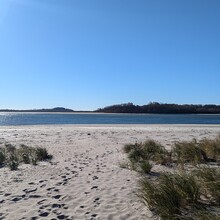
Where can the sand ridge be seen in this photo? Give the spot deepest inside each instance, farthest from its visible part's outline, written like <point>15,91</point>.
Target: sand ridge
<point>84,180</point>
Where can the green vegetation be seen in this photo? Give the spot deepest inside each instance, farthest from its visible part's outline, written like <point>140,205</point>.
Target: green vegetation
<point>13,161</point>
<point>188,152</point>
<point>42,154</point>
<point>195,153</point>
<point>2,156</point>
<point>184,193</point>
<point>209,177</point>
<point>211,148</point>
<point>145,166</point>
<point>11,156</point>
<point>181,195</point>
<point>140,155</point>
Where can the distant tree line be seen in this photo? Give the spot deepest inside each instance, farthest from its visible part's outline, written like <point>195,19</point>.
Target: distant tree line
<point>155,107</point>
<point>57,109</point>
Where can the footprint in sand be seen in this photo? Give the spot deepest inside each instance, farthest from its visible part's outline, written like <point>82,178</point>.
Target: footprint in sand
<point>56,196</point>
<point>43,185</point>
<point>51,190</point>
<point>31,183</point>
<point>44,214</point>
<point>35,196</point>
<point>93,216</point>
<point>7,194</point>
<point>97,202</point>
<point>94,178</point>
<point>2,201</point>
<point>62,216</point>
<point>17,198</point>
<point>94,187</point>
<point>30,190</point>
<point>41,201</point>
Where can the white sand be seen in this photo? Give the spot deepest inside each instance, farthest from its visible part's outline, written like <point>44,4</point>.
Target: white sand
<point>85,180</point>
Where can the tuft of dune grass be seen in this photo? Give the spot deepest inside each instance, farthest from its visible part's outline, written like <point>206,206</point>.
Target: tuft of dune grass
<point>140,155</point>
<point>177,196</point>
<point>11,156</point>
<point>194,194</point>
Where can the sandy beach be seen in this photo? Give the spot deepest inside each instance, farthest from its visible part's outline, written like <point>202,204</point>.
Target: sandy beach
<point>84,179</point>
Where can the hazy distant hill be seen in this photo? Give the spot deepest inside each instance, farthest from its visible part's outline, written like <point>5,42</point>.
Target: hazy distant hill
<point>155,107</point>
<point>57,109</point>
<point>152,107</point>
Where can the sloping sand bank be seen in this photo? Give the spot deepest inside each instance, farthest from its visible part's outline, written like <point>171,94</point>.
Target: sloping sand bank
<point>84,180</point>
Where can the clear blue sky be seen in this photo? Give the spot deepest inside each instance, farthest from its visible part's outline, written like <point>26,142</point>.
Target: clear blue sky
<point>86,54</point>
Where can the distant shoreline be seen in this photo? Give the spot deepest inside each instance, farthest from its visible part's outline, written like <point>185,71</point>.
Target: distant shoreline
<point>130,108</point>
<point>42,112</point>
<point>106,113</point>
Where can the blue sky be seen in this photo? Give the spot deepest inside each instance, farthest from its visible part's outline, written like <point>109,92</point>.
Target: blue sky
<point>86,54</point>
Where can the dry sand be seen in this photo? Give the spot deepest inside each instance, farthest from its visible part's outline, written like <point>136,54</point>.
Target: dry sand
<point>84,180</point>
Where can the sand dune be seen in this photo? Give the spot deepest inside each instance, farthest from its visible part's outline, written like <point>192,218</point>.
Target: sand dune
<point>84,180</point>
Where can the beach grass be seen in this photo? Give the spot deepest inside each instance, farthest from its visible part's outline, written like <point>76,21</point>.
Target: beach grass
<point>12,157</point>
<point>179,196</point>
<point>141,155</point>
<point>210,179</point>
<point>182,193</point>
<point>2,156</point>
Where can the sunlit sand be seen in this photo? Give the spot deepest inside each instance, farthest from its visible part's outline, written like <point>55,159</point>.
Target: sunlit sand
<point>84,179</point>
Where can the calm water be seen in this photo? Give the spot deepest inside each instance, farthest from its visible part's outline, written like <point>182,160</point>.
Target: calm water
<point>45,119</point>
